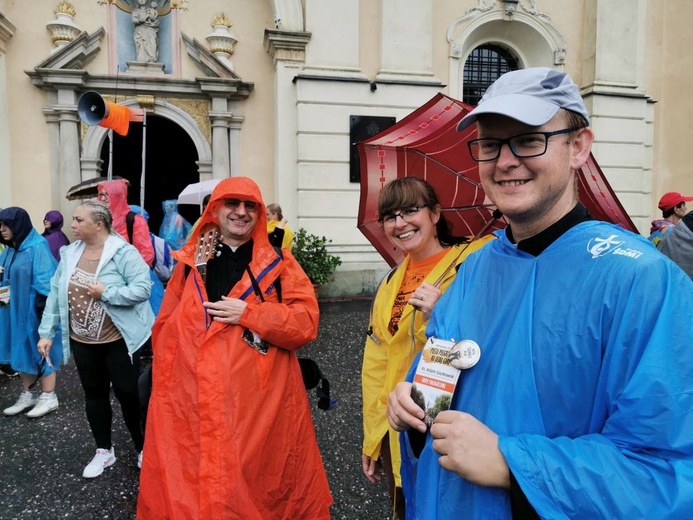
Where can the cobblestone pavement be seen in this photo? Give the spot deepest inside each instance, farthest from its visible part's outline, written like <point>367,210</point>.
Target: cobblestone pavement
<point>41,460</point>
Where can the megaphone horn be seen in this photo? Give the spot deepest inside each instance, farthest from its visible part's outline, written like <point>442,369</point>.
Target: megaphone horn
<point>92,108</point>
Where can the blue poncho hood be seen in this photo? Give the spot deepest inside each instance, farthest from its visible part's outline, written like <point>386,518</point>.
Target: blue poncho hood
<point>19,222</point>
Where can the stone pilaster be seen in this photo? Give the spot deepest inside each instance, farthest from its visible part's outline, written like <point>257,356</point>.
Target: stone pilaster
<point>288,52</point>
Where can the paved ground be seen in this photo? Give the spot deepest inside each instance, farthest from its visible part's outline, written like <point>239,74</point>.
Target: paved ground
<point>41,461</point>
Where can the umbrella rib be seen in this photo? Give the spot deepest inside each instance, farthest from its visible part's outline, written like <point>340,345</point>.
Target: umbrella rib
<point>460,175</point>
<point>465,208</point>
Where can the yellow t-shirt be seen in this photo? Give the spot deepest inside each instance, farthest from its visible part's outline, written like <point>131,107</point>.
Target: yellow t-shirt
<point>288,234</point>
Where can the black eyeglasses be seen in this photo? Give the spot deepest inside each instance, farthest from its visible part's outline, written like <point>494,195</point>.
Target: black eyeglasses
<point>236,203</point>
<point>405,214</point>
<point>531,144</point>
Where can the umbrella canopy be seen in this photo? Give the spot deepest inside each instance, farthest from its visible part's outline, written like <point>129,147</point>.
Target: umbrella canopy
<point>195,192</point>
<point>89,189</point>
<point>426,144</point>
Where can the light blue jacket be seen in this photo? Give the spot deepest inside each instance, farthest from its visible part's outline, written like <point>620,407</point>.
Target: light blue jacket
<point>126,277</point>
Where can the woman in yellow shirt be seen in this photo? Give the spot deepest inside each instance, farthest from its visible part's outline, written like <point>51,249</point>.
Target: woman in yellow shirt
<point>411,217</point>
<point>280,234</point>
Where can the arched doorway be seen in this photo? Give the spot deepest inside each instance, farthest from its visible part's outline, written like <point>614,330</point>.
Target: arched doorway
<point>171,164</point>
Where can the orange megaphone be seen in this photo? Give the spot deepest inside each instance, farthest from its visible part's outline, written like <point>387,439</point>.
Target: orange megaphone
<point>93,109</point>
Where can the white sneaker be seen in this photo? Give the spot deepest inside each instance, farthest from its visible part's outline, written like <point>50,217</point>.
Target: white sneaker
<point>47,403</point>
<point>139,459</point>
<point>26,400</point>
<point>101,461</point>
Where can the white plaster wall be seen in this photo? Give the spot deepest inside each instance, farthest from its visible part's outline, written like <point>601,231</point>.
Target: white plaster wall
<point>334,28</point>
<point>406,36</point>
<point>5,170</point>
<point>328,203</point>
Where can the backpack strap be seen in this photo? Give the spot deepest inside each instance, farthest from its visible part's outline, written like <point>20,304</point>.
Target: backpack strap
<point>277,282</point>
<point>130,223</point>
<point>151,237</point>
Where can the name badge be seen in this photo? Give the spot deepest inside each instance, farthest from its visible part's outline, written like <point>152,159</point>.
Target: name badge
<point>5,296</point>
<point>438,373</point>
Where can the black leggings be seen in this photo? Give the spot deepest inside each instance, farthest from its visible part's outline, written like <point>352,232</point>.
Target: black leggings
<point>100,366</point>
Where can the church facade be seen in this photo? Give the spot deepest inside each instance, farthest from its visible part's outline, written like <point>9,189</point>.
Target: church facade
<point>280,90</point>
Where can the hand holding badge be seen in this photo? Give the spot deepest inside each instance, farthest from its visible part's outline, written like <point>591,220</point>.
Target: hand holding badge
<point>438,371</point>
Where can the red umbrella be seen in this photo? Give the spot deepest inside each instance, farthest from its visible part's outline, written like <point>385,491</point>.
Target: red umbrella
<point>426,144</point>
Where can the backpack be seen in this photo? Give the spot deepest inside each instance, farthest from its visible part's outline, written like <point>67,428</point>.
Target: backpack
<point>163,262</point>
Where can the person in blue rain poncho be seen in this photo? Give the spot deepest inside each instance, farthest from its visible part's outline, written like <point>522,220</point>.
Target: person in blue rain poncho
<point>26,268</point>
<point>157,281</point>
<point>174,228</point>
<point>580,404</point>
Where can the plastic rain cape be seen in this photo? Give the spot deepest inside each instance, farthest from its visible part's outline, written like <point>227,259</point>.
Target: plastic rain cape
<point>585,374</point>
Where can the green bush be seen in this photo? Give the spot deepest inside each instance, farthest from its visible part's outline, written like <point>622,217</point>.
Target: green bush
<point>311,253</point>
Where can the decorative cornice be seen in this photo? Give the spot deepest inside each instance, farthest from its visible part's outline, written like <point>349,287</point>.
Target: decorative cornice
<point>7,30</point>
<point>286,45</point>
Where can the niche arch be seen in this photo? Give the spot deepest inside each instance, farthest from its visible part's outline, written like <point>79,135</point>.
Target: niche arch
<point>530,37</point>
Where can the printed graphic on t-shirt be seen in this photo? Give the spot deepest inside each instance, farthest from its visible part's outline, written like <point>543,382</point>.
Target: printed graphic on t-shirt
<point>407,288</point>
<point>86,314</point>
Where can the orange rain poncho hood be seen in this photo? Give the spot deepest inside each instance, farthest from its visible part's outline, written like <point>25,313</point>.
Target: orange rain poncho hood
<point>229,430</point>
<point>117,192</point>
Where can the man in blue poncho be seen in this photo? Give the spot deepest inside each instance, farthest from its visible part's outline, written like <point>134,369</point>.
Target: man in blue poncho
<point>580,405</point>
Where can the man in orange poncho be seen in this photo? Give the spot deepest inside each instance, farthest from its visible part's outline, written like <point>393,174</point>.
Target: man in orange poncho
<point>229,430</point>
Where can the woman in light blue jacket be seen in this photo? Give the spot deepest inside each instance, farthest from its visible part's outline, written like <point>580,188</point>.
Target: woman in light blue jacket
<point>99,294</point>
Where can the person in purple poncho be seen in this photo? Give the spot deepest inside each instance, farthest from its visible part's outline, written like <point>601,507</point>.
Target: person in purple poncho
<point>53,222</point>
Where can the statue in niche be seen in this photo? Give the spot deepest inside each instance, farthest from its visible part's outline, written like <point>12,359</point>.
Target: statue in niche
<point>146,21</point>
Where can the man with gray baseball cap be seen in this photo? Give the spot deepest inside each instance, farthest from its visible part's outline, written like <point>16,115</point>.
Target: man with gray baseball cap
<point>584,332</point>
<point>532,96</point>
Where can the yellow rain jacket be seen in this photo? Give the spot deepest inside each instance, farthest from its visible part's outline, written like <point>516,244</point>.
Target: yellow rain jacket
<point>386,363</point>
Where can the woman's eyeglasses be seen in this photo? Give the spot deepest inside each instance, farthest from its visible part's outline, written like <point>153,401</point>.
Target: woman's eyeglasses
<point>391,218</point>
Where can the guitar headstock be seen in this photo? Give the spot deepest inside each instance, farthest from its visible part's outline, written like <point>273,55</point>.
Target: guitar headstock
<point>206,247</point>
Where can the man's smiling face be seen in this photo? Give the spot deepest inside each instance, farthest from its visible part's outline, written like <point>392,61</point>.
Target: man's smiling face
<point>534,192</point>
<point>237,219</point>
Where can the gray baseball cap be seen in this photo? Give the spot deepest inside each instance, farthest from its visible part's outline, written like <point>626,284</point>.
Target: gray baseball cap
<point>532,96</point>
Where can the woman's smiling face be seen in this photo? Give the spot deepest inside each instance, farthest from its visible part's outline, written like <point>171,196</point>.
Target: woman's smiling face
<point>413,230</point>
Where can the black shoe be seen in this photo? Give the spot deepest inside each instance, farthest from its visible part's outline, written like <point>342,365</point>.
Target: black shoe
<point>7,370</point>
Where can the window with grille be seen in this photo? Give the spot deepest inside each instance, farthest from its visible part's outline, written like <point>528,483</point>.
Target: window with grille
<point>485,65</point>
